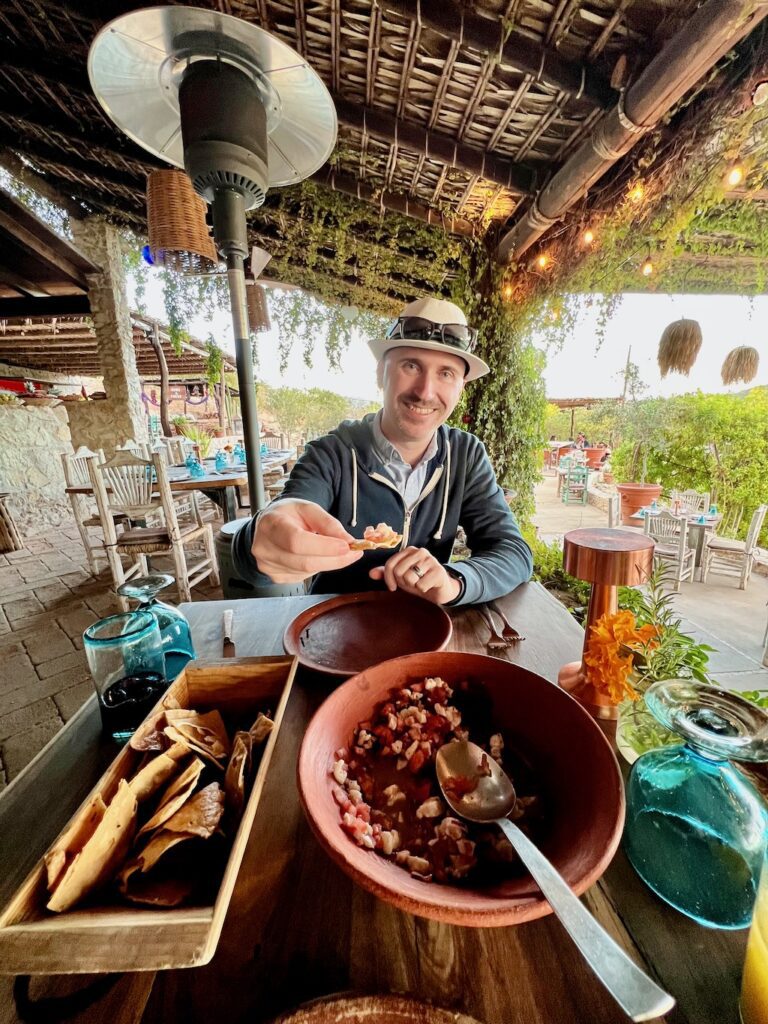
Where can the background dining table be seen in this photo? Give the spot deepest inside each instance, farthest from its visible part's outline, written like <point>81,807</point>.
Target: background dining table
<point>299,928</point>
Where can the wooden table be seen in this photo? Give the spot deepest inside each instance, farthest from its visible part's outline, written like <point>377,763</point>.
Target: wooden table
<point>220,487</point>
<point>298,927</point>
<point>697,531</point>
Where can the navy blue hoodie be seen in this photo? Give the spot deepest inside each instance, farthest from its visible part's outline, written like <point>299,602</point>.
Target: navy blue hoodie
<point>342,473</point>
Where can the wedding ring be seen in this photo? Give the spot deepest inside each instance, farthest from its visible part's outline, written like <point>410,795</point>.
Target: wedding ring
<point>417,570</point>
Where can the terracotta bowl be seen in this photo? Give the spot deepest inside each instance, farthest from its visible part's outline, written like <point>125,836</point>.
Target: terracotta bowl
<point>373,1010</point>
<point>576,771</point>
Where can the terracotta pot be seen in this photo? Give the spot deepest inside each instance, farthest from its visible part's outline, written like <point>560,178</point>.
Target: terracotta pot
<point>594,455</point>
<point>584,807</point>
<point>634,497</point>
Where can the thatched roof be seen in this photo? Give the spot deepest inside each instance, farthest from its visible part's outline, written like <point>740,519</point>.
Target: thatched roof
<point>456,113</point>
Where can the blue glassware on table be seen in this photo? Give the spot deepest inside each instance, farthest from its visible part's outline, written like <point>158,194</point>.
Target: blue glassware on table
<point>238,453</point>
<point>175,633</point>
<point>696,827</point>
<point>713,510</point>
<point>221,461</point>
<point>125,658</point>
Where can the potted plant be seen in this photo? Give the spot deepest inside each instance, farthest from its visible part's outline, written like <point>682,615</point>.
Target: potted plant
<point>643,427</point>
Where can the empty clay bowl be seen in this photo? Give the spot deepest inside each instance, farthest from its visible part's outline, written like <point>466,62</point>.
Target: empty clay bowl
<point>573,764</point>
<point>373,1010</point>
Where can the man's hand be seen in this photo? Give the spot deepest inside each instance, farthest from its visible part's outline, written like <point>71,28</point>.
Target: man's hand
<point>295,539</point>
<point>418,572</point>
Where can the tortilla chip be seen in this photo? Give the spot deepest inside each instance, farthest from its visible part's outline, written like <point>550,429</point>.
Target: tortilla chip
<point>200,815</point>
<point>381,536</point>
<point>237,773</point>
<point>149,735</point>
<point>175,795</point>
<point>161,892</point>
<point>157,771</point>
<point>102,854</point>
<point>61,855</point>
<point>203,734</point>
<point>260,729</point>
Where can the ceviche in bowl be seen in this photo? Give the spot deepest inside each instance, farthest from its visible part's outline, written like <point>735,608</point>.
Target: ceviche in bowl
<point>369,789</point>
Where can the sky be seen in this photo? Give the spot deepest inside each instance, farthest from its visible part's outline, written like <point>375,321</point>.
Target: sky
<point>578,370</point>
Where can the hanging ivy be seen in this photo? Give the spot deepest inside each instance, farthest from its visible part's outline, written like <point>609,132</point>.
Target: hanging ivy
<point>214,363</point>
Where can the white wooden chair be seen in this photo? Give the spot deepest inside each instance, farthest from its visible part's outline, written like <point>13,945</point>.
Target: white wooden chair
<point>614,511</point>
<point>691,501</point>
<point>86,515</point>
<point>671,536</point>
<point>127,484</point>
<point>728,557</point>
<point>178,449</point>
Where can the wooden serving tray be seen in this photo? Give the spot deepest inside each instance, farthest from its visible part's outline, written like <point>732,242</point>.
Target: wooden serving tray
<point>122,937</point>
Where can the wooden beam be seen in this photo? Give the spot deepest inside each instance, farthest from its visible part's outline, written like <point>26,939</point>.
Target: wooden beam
<point>393,201</point>
<point>92,166</point>
<point>710,32</point>
<point>516,177</point>
<point>57,305</point>
<point>489,36</point>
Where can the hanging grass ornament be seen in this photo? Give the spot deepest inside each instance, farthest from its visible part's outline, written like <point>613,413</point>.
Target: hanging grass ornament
<point>740,365</point>
<point>258,313</point>
<point>679,346</point>
<point>179,238</point>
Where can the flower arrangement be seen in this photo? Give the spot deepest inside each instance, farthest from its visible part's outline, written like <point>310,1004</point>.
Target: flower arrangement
<point>610,652</point>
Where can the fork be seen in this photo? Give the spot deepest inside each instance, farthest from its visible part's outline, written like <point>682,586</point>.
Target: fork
<point>509,633</point>
<point>494,642</point>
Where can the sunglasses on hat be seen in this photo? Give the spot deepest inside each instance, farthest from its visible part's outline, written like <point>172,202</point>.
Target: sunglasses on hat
<point>416,328</point>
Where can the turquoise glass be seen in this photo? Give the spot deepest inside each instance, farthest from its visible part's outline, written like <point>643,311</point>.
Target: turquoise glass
<point>221,460</point>
<point>696,828</point>
<point>174,629</point>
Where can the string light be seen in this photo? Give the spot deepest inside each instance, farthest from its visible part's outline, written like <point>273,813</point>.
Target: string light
<point>647,267</point>
<point>507,291</point>
<point>735,175</point>
<point>760,94</point>
<point>542,262</point>
<point>636,192</point>
<point>588,237</point>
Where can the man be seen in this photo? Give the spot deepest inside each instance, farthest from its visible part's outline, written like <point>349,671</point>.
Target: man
<point>404,467</point>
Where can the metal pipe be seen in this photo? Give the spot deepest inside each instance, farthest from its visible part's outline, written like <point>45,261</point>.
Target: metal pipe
<point>687,57</point>
<point>230,232</point>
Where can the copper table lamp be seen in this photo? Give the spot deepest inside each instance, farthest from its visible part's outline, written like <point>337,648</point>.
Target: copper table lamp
<point>608,559</point>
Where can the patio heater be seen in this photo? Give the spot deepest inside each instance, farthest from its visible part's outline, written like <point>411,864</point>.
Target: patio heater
<point>236,108</point>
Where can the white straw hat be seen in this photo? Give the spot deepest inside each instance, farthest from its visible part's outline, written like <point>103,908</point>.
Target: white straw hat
<point>438,312</point>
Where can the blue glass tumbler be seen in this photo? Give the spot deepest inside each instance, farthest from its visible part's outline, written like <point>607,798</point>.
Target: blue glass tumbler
<point>174,628</point>
<point>125,657</point>
<point>696,827</point>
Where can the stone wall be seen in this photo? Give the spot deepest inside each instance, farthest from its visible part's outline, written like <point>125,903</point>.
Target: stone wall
<point>31,443</point>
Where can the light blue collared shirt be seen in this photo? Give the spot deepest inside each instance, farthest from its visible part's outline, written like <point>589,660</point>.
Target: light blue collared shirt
<point>409,480</point>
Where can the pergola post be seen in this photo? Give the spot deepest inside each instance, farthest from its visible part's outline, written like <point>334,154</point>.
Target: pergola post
<point>121,416</point>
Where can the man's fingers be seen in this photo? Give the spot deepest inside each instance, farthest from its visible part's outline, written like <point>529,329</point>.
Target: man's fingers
<point>292,538</point>
<point>321,522</point>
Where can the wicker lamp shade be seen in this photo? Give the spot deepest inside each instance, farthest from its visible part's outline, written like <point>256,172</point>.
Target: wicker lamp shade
<point>679,346</point>
<point>258,314</point>
<point>178,235</point>
<point>740,364</point>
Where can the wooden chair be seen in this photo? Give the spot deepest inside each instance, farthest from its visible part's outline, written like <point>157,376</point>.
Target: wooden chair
<point>86,516</point>
<point>728,557</point>
<point>614,511</point>
<point>138,488</point>
<point>178,449</point>
<point>575,486</point>
<point>671,536</point>
<point>691,501</point>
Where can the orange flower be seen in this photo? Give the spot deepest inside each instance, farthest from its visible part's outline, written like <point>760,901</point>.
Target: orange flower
<point>608,669</point>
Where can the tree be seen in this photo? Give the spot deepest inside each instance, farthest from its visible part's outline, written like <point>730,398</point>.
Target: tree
<point>288,406</point>
<point>324,410</point>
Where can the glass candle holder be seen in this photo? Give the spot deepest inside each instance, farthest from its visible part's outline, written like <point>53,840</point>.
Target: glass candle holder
<point>175,633</point>
<point>754,984</point>
<point>696,827</point>
<point>125,656</point>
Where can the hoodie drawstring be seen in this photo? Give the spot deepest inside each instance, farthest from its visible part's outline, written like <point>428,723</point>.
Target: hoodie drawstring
<point>354,487</point>
<point>446,482</point>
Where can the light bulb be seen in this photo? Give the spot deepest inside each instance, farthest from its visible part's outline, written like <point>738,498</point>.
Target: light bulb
<point>647,267</point>
<point>543,261</point>
<point>735,175</point>
<point>588,237</point>
<point>636,192</point>
<point>507,291</point>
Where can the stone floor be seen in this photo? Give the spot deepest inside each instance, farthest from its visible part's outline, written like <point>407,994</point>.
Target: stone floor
<point>47,599</point>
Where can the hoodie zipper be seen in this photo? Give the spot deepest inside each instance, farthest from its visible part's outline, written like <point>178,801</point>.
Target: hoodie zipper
<point>407,513</point>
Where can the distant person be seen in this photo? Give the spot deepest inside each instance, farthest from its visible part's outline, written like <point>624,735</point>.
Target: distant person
<point>404,467</point>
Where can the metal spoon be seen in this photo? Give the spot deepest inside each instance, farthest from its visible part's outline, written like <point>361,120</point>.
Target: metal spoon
<point>490,803</point>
